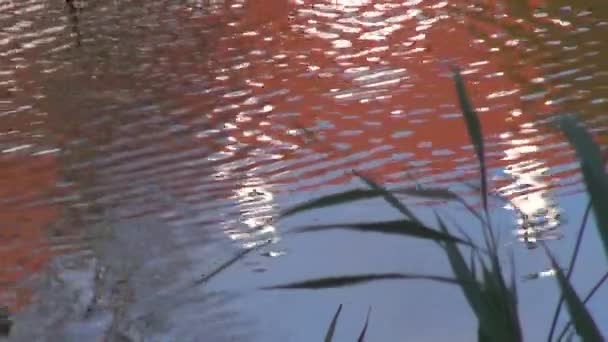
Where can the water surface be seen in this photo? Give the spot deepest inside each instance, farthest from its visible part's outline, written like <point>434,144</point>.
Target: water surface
<point>145,144</point>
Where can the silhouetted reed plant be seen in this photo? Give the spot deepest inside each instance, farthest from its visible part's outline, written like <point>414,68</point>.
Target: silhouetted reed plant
<point>490,291</point>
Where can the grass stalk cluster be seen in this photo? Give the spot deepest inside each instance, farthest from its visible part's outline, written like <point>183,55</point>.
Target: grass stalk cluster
<point>490,291</point>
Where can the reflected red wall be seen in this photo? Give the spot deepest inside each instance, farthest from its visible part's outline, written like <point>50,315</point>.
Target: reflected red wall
<point>311,68</point>
<point>24,230</point>
<point>311,71</point>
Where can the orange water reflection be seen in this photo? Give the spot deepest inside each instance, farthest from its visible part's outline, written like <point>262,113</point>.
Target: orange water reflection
<point>25,234</point>
<point>370,78</point>
<point>292,95</point>
<point>365,84</point>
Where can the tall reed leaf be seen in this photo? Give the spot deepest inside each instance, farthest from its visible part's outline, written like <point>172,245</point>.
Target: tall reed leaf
<point>469,285</point>
<point>430,193</point>
<point>333,199</point>
<point>5,322</point>
<point>588,297</point>
<point>474,129</point>
<point>438,194</point>
<point>398,227</point>
<point>388,196</point>
<point>484,299</point>
<point>364,331</point>
<point>596,181</point>
<point>577,245</point>
<point>501,320</point>
<point>242,254</point>
<point>583,322</point>
<point>346,281</point>
<point>329,336</point>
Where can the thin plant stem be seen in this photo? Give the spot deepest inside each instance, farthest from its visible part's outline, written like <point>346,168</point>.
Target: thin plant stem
<point>230,262</point>
<point>577,245</point>
<point>597,286</point>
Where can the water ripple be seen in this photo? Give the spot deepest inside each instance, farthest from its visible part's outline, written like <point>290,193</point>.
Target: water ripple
<point>195,116</point>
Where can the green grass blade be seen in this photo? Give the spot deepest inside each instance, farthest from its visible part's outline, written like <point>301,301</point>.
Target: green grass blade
<point>586,148</point>
<point>596,181</point>
<point>494,297</point>
<point>346,281</point>
<point>397,227</point>
<point>242,254</point>
<point>583,321</point>
<point>430,193</point>
<point>388,196</point>
<point>588,297</point>
<point>512,300</point>
<point>513,285</point>
<point>331,200</point>
<point>472,265</point>
<point>481,336</point>
<point>474,129</point>
<point>470,287</point>
<point>5,322</point>
<point>329,336</point>
<point>438,194</point>
<point>503,318</point>
<point>467,237</point>
<point>364,331</point>
<point>488,306</point>
<point>577,245</point>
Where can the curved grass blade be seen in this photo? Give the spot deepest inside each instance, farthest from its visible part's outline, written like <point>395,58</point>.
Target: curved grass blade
<point>230,262</point>
<point>475,135</point>
<point>364,331</point>
<point>467,237</point>
<point>577,245</point>
<point>596,181</point>
<point>440,194</point>
<point>5,322</point>
<point>499,320</point>
<point>431,193</point>
<point>331,200</point>
<point>583,321</point>
<point>474,129</point>
<point>472,265</point>
<point>495,300</point>
<point>388,196</point>
<point>329,336</point>
<point>469,285</point>
<point>513,285</point>
<point>512,300</point>
<point>596,287</point>
<point>482,302</point>
<point>346,281</point>
<point>397,227</point>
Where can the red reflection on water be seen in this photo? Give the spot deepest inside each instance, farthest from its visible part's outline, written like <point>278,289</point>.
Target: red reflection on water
<point>25,247</point>
<point>311,51</point>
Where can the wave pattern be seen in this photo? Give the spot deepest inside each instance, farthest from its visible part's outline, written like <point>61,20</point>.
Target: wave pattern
<point>201,114</point>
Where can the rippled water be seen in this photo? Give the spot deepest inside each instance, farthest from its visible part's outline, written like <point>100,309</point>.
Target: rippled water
<point>164,133</point>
